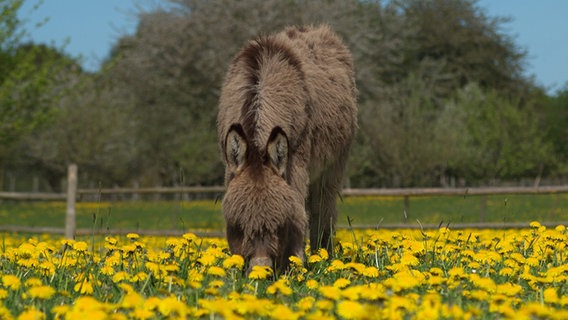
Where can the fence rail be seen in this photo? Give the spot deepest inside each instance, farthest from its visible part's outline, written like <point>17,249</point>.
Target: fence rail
<point>410,192</point>
<point>416,192</point>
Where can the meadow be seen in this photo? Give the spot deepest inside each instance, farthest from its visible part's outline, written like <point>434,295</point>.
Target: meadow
<point>371,211</point>
<point>372,274</point>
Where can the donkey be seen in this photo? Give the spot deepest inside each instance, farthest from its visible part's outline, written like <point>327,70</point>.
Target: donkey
<point>287,117</point>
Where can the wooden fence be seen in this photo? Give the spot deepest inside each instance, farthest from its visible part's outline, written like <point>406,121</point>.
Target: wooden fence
<point>73,193</point>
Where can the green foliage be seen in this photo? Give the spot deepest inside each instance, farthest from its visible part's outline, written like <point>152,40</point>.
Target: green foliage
<point>555,123</point>
<point>30,80</point>
<point>504,139</point>
<point>9,23</point>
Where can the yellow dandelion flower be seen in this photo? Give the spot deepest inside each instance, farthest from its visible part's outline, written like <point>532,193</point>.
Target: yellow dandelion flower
<point>284,313</point>
<point>281,286</point>
<point>142,314</point>
<point>535,224</point>
<point>5,313</point>
<point>457,272</point>
<point>314,258</point>
<point>336,265</point>
<point>306,303</point>
<point>107,270</point>
<point>296,261</point>
<point>373,291</point>
<point>133,236</point>
<point>173,307</point>
<point>111,240</point>
<point>121,276</point>
<point>408,259</point>
<point>68,243</point>
<point>436,271</point>
<point>194,279</point>
<point>216,271</point>
<point>128,248</point>
<point>330,292</point>
<point>352,293</point>
<point>352,310</point>
<point>486,284</point>
<point>33,282</point>
<point>31,314</point>
<point>153,267</point>
<point>312,284</point>
<point>140,276</point>
<point>532,261</point>
<point>27,262</point>
<point>323,253</point>
<point>47,268</point>
<point>550,295</point>
<point>11,282</point>
<point>324,305</point>
<point>260,272</point>
<point>189,237</point>
<point>3,295</point>
<point>234,261</point>
<point>171,267</point>
<point>506,272</point>
<point>80,246</point>
<point>534,310</point>
<point>152,303</point>
<point>341,283</point>
<point>207,259</point>
<point>126,287</point>
<point>131,300</point>
<point>87,308</point>
<point>480,295</point>
<point>41,292</point>
<point>60,310</point>
<point>359,268</point>
<point>84,287</point>
<point>371,272</point>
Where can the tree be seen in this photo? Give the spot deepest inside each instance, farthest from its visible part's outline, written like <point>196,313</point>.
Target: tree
<point>555,124</point>
<point>408,136</point>
<point>470,45</point>
<point>30,78</point>
<point>503,138</point>
<point>92,128</point>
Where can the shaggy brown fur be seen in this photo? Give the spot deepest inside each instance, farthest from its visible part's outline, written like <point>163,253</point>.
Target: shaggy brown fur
<point>287,115</point>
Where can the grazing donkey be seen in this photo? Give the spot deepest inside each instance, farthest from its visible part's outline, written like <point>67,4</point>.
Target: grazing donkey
<point>287,116</point>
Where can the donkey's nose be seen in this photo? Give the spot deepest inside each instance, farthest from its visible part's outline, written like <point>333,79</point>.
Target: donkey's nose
<point>261,261</point>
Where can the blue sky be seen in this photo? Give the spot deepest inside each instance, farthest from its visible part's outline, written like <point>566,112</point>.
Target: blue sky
<point>90,28</point>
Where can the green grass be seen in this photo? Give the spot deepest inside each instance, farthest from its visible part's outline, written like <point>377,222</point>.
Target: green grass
<point>455,209</point>
<point>183,215</point>
<point>162,215</point>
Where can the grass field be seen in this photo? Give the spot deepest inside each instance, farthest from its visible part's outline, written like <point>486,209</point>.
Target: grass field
<point>373,211</point>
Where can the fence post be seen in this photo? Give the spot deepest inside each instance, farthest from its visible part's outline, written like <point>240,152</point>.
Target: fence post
<point>71,195</point>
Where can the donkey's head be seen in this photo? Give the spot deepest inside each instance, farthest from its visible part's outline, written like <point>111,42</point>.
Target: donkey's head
<point>265,216</point>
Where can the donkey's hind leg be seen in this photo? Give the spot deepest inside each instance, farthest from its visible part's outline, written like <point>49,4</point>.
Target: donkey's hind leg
<point>322,206</point>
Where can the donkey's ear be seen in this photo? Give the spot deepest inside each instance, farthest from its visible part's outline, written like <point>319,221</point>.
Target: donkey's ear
<point>277,149</point>
<point>235,148</point>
